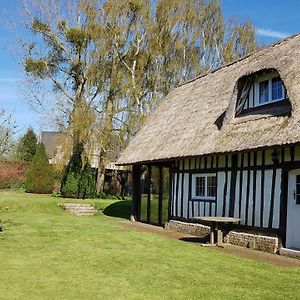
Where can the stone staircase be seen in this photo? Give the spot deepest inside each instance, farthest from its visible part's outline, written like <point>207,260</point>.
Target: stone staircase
<point>79,209</point>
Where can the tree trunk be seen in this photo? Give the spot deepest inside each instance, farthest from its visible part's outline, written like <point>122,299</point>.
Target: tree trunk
<point>107,131</point>
<point>101,174</point>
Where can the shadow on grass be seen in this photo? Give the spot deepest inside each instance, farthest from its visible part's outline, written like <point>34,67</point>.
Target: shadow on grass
<point>196,240</point>
<point>120,209</point>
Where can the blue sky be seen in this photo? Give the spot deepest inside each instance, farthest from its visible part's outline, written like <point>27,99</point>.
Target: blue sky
<point>273,20</point>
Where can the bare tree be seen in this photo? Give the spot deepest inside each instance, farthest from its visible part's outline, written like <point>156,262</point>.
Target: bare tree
<point>7,131</point>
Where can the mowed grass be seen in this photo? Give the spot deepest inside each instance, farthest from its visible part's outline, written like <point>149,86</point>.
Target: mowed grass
<point>47,253</point>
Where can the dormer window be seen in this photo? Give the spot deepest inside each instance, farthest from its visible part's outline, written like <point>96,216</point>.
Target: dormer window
<point>268,88</point>
<point>262,93</point>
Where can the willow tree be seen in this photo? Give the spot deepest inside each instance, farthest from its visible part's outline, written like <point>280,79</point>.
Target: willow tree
<point>164,43</point>
<point>154,47</point>
<point>109,63</point>
<point>60,55</point>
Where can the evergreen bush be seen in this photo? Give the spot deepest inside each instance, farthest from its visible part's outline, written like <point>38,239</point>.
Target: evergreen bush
<point>69,189</point>
<point>87,184</point>
<point>72,173</point>
<point>39,177</point>
<point>27,146</point>
<point>78,181</point>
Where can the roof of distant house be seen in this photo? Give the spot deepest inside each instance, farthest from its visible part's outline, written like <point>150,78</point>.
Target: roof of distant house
<point>51,140</point>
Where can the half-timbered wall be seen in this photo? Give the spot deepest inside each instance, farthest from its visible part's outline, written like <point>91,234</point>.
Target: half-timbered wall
<point>248,186</point>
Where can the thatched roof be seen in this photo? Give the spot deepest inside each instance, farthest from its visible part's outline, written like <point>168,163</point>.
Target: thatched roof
<point>184,123</point>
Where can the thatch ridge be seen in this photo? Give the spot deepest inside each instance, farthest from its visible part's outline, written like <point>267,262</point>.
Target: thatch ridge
<point>184,123</point>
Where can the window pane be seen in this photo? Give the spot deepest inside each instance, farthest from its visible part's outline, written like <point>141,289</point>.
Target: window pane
<point>298,188</point>
<point>144,192</point>
<point>154,193</point>
<point>211,186</point>
<point>264,91</point>
<point>165,194</point>
<point>200,186</point>
<point>277,88</point>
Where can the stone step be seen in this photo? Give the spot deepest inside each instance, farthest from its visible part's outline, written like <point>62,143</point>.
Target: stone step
<point>74,205</point>
<point>83,211</point>
<point>79,209</point>
<point>84,214</point>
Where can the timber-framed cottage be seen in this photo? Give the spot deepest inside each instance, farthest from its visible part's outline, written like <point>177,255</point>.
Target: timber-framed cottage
<point>226,144</point>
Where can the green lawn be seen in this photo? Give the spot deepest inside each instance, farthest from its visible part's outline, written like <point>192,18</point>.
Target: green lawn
<point>47,253</point>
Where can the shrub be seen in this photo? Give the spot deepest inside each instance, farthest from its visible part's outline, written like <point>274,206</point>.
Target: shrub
<point>112,197</point>
<point>56,194</point>
<point>27,146</point>
<point>12,174</point>
<point>70,187</point>
<point>78,182</point>
<point>87,183</point>
<point>71,177</point>
<point>39,177</point>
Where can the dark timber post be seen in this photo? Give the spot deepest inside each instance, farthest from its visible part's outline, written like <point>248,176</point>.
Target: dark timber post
<point>171,188</point>
<point>149,194</point>
<point>136,191</point>
<point>160,197</point>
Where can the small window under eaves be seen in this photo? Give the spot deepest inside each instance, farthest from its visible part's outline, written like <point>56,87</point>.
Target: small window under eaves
<point>262,93</point>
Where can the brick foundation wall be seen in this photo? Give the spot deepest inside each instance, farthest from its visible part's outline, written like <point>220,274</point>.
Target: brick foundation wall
<point>252,241</point>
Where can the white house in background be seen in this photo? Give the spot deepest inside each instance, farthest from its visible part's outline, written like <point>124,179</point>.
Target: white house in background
<point>226,144</point>
<point>116,177</point>
<point>52,141</point>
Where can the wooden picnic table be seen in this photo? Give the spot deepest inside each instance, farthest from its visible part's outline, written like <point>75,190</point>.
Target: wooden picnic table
<point>216,228</point>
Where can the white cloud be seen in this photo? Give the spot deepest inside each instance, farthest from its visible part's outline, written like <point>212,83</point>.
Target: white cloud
<point>272,33</point>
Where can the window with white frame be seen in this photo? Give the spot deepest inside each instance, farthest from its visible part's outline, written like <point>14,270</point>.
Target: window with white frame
<point>268,88</point>
<point>204,186</point>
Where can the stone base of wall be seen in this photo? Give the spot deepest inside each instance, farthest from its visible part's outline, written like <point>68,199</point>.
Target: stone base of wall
<point>290,252</point>
<point>252,241</point>
<point>190,228</point>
